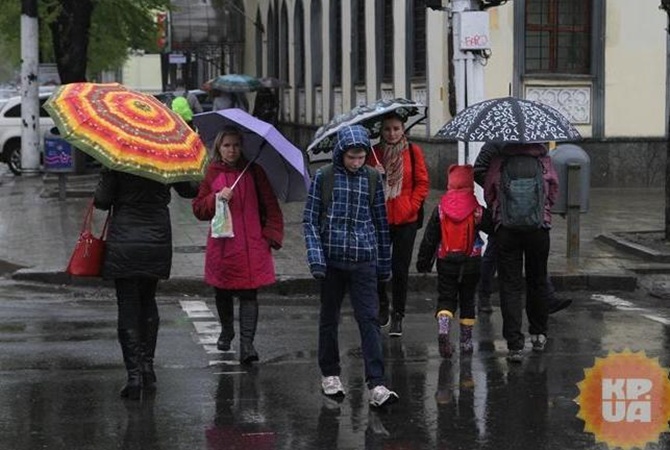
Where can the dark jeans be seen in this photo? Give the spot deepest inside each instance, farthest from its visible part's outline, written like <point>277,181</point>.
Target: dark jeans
<point>360,281</point>
<point>136,298</point>
<point>519,251</point>
<point>485,288</point>
<point>402,246</point>
<point>454,290</point>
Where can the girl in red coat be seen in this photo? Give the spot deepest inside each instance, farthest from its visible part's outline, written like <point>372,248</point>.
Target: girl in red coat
<point>406,187</point>
<point>239,265</point>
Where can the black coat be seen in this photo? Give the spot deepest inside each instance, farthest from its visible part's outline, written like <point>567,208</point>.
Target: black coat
<point>139,238</point>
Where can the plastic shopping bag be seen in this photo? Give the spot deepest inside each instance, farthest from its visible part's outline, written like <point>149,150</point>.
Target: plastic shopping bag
<point>222,223</point>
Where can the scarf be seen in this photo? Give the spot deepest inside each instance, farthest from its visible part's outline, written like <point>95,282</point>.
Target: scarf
<point>393,166</point>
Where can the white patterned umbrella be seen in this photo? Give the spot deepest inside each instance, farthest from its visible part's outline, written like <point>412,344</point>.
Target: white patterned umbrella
<point>370,116</point>
<point>509,120</point>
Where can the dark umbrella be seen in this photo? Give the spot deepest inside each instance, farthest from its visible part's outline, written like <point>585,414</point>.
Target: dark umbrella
<point>371,117</point>
<point>274,83</point>
<point>283,162</point>
<point>509,120</point>
<point>235,83</point>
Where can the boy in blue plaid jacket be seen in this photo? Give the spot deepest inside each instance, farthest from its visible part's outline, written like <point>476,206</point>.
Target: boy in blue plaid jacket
<point>348,249</point>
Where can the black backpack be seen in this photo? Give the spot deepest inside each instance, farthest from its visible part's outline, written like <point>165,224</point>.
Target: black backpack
<point>522,193</point>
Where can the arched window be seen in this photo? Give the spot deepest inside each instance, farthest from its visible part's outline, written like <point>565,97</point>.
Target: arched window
<point>317,50</point>
<point>358,57</point>
<point>283,43</point>
<point>336,41</point>
<point>417,31</point>
<point>299,39</point>
<point>272,40</point>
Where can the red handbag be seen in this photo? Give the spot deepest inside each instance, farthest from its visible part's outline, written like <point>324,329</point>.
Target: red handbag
<point>86,259</point>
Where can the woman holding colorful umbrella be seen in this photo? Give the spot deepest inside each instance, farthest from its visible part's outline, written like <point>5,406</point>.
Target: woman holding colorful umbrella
<point>147,148</point>
<point>237,266</point>
<point>406,187</point>
<point>138,253</point>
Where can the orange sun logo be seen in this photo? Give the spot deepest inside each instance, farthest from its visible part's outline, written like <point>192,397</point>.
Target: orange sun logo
<point>624,400</point>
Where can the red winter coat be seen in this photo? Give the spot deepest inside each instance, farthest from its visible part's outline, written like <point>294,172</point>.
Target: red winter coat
<point>245,260</point>
<point>415,185</point>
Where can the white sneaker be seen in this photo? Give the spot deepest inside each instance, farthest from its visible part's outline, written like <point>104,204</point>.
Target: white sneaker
<point>381,395</point>
<point>332,386</point>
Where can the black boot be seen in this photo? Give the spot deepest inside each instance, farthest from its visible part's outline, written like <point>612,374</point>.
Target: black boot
<point>396,325</point>
<point>131,349</point>
<point>148,351</point>
<point>248,323</point>
<point>224,306</point>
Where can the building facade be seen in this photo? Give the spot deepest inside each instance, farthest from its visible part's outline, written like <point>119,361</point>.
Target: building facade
<point>602,63</point>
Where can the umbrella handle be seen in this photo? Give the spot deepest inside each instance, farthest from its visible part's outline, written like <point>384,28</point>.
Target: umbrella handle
<point>247,166</point>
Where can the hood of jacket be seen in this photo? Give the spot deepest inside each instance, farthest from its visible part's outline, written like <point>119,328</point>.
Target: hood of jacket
<point>459,201</point>
<point>353,136</point>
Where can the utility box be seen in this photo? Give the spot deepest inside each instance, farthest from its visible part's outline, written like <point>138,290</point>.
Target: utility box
<point>475,30</point>
<point>564,157</point>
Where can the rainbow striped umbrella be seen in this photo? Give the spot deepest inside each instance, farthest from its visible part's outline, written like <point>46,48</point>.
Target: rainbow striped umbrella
<point>128,131</point>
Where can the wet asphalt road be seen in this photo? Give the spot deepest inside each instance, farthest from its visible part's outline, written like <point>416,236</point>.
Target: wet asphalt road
<point>60,372</point>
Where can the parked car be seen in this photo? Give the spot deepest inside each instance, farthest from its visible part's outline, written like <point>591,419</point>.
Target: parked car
<point>202,96</point>
<point>10,130</point>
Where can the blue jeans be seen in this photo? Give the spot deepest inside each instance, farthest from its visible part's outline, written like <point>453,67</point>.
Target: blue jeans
<point>360,280</point>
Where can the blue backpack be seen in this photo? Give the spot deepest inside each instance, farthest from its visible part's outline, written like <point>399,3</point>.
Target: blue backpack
<point>522,193</point>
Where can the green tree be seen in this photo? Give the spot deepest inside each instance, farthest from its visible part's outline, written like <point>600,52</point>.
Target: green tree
<point>84,36</point>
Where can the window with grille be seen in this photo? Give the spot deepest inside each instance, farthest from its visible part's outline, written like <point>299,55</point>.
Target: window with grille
<point>558,36</point>
<point>336,41</point>
<point>299,39</point>
<point>359,42</point>
<point>387,40</point>
<point>418,33</point>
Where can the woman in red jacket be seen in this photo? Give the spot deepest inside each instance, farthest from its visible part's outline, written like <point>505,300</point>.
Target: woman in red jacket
<point>239,265</point>
<point>406,187</point>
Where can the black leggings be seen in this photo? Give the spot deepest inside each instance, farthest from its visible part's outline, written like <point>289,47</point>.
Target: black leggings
<point>136,298</point>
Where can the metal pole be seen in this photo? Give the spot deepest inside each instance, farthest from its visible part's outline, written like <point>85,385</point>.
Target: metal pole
<point>573,207</point>
<point>30,115</point>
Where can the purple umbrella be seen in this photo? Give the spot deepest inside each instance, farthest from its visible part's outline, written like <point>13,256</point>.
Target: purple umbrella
<point>282,161</point>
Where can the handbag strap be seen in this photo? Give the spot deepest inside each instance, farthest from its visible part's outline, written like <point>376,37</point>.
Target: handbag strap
<point>88,219</point>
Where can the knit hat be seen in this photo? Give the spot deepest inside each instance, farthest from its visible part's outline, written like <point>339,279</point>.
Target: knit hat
<point>461,177</point>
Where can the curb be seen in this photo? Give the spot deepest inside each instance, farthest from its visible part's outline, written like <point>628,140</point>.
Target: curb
<point>633,248</point>
<point>297,286</point>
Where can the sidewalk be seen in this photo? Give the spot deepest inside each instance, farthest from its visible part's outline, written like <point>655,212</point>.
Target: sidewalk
<point>38,233</point>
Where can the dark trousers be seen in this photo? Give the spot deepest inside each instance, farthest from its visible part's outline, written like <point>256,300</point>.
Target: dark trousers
<point>488,269</point>
<point>136,299</point>
<point>456,289</point>
<point>402,246</point>
<point>519,251</point>
<point>360,281</point>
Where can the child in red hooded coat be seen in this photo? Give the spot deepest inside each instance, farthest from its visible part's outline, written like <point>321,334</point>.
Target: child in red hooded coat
<point>452,235</point>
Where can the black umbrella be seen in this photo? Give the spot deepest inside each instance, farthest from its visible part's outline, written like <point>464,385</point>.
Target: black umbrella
<point>508,120</point>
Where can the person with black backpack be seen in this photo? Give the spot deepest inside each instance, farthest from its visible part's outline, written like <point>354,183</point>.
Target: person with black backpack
<point>452,234</point>
<point>520,187</point>
<point>489,259</point>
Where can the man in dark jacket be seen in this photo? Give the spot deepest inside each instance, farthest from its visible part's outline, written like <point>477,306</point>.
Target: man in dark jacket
<point>138,253</point>
<point>488,269</point>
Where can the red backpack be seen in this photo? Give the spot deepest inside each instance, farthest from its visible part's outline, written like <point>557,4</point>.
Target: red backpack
<point>458,238</point>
